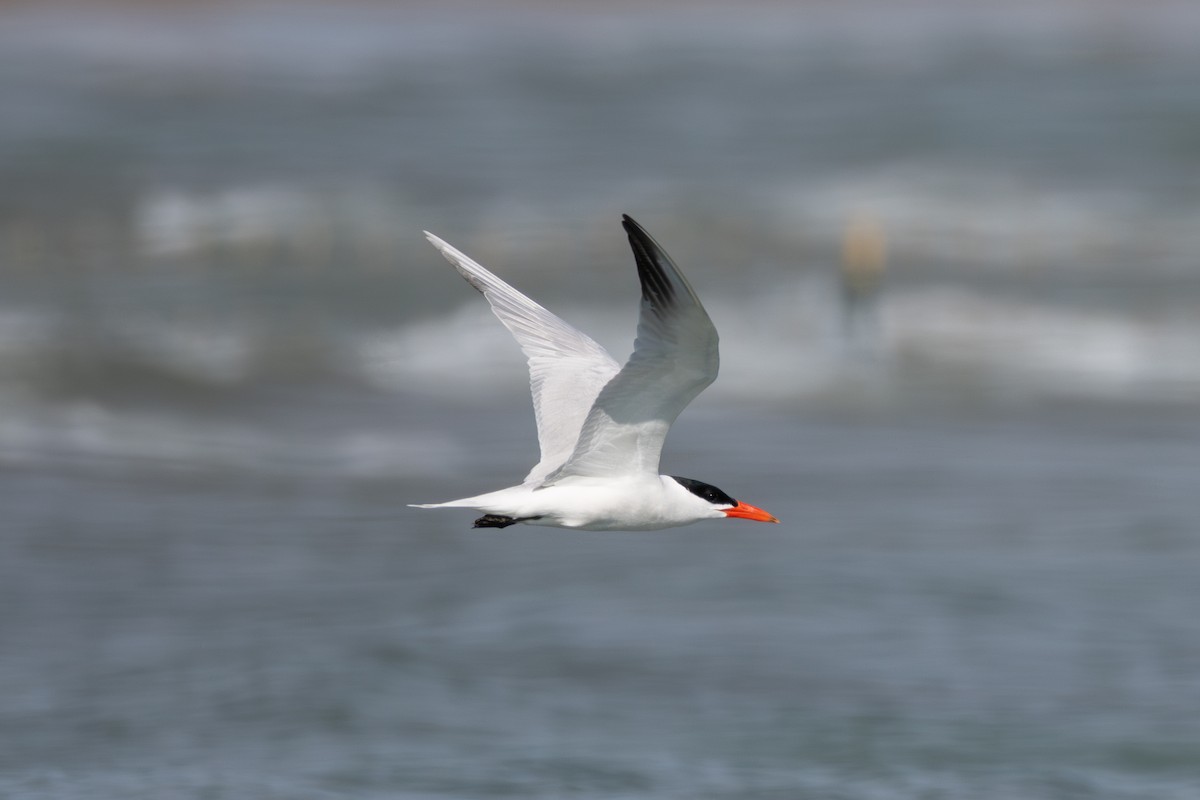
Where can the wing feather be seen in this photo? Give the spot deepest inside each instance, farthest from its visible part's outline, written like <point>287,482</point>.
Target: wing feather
<point>675,357</point>
<point>567,368</point>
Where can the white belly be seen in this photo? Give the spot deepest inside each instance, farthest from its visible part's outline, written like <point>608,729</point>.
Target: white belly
<point>589,504</point>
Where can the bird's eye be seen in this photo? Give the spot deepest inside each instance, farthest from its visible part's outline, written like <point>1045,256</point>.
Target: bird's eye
<point>706,492</point>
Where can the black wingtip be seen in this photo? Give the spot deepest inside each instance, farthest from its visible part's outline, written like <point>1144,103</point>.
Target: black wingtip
<point>650,258</point>
<point>635,230</point>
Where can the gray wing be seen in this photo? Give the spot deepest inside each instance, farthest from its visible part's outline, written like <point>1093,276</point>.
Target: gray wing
<point>567,368</point>
<point>674,359</point>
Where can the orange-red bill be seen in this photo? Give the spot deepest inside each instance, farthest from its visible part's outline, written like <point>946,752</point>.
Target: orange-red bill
<point>747,511</point>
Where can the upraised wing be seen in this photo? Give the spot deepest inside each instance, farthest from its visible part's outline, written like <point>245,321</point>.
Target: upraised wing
<point>674,359</point>
<point>567,368</point>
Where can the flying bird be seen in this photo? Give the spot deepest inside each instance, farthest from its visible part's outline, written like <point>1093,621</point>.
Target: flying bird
<point>601,425</point>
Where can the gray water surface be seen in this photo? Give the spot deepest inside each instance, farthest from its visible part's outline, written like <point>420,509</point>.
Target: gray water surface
<point>951,608</point>
<point>228,360</point>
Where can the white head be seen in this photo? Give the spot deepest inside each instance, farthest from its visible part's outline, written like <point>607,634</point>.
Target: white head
<point>706,501</point>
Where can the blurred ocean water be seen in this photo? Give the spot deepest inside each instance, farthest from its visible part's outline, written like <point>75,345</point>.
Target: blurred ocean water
<point>952,254</point>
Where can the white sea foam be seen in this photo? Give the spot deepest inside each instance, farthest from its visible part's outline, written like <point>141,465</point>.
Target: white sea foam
<point>974,217</point>
<point>795,345</point>
<point>88,433</point>
<point>173,222</point>
<point>1046,349</point>
<point>211,353</point>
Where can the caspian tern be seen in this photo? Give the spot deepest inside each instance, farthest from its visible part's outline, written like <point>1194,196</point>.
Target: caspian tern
<point>600,425</point>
